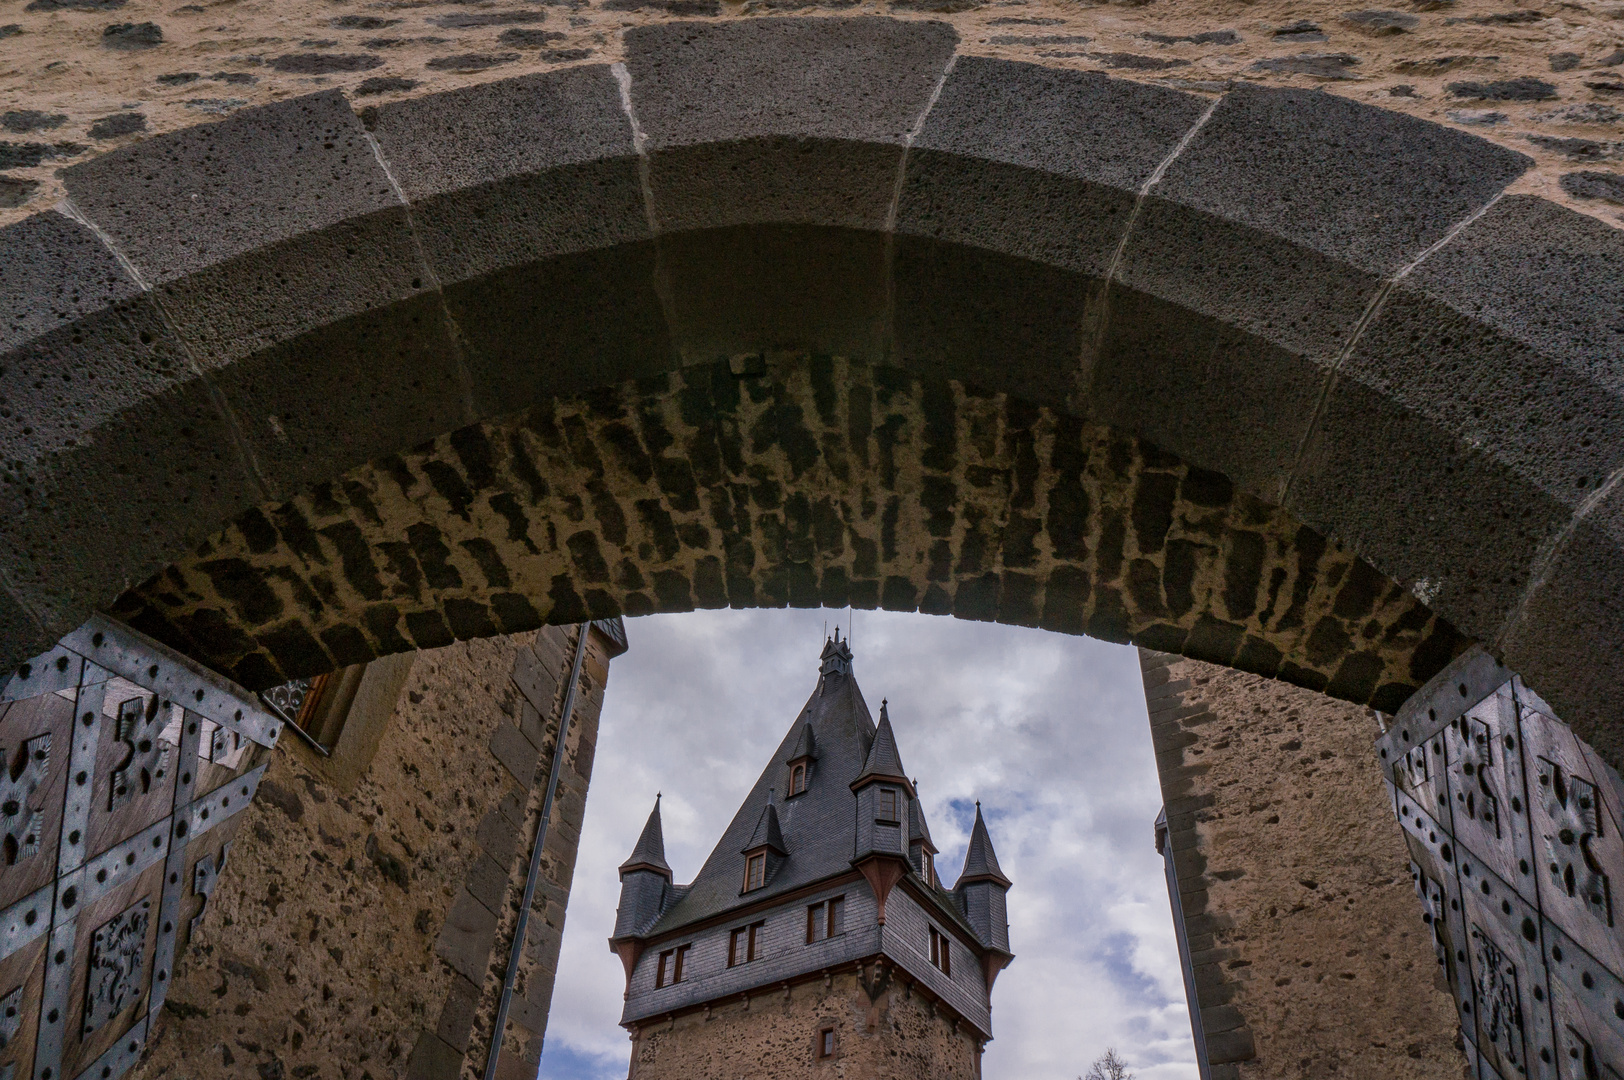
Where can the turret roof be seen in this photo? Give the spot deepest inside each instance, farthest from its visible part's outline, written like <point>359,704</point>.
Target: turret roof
<point>650,849</point>
<point>980,861</point>
<point>883,760</point>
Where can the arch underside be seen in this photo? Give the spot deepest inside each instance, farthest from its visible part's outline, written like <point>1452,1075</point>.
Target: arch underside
<point>1015,343</point>
<point>821,481</point>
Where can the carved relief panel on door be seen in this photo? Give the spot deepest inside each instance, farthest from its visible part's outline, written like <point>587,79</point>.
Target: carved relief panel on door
<point>1497,989</point>
<point>1507,981</point>
<point>135,774</point>
<point>1575,819</point>
<point>34,737</point>
<point>1420,772</point>
<point>1440,910</point>
<point>1486,789</point>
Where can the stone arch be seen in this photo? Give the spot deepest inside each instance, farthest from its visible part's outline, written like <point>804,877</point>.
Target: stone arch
<point>1331,315</point>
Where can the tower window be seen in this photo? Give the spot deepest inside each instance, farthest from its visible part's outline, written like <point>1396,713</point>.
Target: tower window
<point>797,779</point>
<point>941,955</point>
<point>825,919</point>
<point>755,871</point>
<point>826,1042</point>
<point>669,973</point>
<point>741,944</point>
<point>888,804</point>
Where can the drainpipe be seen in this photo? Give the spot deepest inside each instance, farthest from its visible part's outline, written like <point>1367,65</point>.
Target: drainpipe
<point>1165,849</point>
<point>519,930</point>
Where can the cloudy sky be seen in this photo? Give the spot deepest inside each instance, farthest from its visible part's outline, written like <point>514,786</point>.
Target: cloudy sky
<point>1048,731</point>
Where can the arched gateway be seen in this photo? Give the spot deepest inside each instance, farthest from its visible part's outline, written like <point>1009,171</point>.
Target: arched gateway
<point>1050,291</point>
<point>801,311</point>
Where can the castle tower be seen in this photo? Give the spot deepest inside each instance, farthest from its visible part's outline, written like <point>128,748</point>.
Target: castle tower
<point>816,939</point>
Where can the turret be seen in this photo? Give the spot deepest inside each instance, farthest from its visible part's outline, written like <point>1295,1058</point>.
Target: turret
<point>884,806</point>
<point>645,891</point>
<point>980,890</point>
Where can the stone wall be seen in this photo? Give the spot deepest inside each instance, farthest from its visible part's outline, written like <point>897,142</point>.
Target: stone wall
<point>820,481</point>
<point>341,941</point>
<point>81,77</point>
<point>885,1029</point>
<point>1310,955</point>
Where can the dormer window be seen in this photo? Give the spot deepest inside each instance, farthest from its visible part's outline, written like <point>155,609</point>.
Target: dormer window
<point>797,779</point>
<point>755,871</point>
<point>888,805</point>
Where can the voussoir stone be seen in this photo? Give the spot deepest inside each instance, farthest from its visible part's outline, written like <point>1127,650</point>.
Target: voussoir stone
<point>781,120</point>
<point>1021,184</point>
<point>797,125</point>
<point>1490,386</point>
<point>115,453</point>
<point>527,200</point>
<point>1568,637</point>
<point>1256,255</point>
<point>278,247</point>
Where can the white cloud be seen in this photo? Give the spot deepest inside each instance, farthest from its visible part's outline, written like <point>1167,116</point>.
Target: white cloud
<point>1047,730</point>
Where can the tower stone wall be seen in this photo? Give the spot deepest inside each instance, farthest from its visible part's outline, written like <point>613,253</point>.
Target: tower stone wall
<point>885,1029</point>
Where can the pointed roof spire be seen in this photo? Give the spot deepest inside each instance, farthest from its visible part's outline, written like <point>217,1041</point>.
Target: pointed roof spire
<point>767,834</point>
<point>649,854</point>
<point>980,861</point>
<point>883,758</point>
<point>805,746</point>
<point>918,831</point>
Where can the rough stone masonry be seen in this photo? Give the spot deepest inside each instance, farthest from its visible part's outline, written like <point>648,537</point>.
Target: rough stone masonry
<point>361,927</point>
<point>78,78</point>
<point>822,481</point>
<point>1310,957</point>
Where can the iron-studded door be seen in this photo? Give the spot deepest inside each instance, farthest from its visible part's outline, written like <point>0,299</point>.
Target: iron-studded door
<point>116,777</point>
<point>1513,830</point>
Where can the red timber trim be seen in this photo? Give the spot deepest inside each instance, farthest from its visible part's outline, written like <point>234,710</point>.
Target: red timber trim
<point>882,872</point>
<point>991,964</point>
<point>630,950</point>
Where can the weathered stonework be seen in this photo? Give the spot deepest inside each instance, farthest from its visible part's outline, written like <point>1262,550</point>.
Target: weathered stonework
<point>884,1027</point>
<point>1309,952</point>
<point>1340,308</point>
<point>825,482</point>
<point>1458,64</point>
<point>340,942</point>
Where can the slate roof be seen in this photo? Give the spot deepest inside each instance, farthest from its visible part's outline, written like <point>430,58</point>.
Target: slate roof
<point>650,849</point>
<point>817,826</point>
<point>980,861</point>
<point>816,829</point>
<point>883,759</point>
